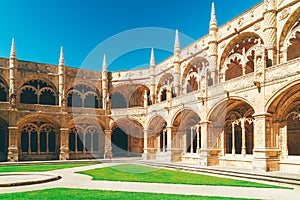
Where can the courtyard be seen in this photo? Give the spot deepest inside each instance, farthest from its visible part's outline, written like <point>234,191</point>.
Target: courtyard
<point>129,179</point>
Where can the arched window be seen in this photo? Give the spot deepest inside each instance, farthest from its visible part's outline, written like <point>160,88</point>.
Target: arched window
<point>86,140</point>
<point>38,137</point>
<point>74,99</point>
<point>3,140</point>
<point>29,95</point>
<point>83,96</point>
<point>293,50</point>
<point>240,59</point>
<point>118,101</point>
<point>3,91</point>
<point>38,92</point>
<point>163,95</point>
<point>91,100</point>
<point>47,96</point>
<point>29,138</point>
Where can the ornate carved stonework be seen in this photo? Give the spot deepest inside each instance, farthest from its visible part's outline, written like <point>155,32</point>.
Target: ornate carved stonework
<point>284,13</point>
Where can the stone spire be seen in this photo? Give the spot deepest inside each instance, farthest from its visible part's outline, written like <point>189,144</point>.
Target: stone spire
<point>177,43</point>
<point>13,49</point>
<point>104,65</point>
<point>61,80</point>
<point>177,64</point>
<point>152,59</point>
<point>213,19</point>
<point>105,97</point>
<point>61,57</point>
<point>152,77</point>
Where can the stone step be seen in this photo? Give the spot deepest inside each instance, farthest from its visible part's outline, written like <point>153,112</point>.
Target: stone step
<point>267,176</point>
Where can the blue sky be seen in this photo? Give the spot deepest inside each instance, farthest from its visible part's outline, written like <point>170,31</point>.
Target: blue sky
<point>40,27</point>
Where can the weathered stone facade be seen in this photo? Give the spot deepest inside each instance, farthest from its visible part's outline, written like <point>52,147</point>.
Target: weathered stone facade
<point>231,98</point>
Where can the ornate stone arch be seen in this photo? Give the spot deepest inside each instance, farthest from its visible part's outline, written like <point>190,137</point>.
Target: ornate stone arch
<point>231,127</point>
<point>238,56</point>
<point>38,135</point>
<point>289,30</point>
<point>127,137</point>
<point>83,95</point>
<point>165,84</point>
<point>193,73</point>
<point>38,91</point>
<point>284,107</point>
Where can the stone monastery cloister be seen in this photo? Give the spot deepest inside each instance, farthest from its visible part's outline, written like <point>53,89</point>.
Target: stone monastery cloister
<point>231,98</point>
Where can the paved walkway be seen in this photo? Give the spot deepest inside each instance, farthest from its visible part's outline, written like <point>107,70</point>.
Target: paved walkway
<point>70,179</point>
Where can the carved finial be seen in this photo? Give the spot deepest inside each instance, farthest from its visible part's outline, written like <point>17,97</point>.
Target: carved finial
<point>13,49</point>
<point>61,57</point>
<point>213,19</point>
<point>177,43</point>
<point>152,59</point>
<point>104,65</point>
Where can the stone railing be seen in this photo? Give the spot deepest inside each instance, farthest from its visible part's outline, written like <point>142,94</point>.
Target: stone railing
<point>123,112</point>
<point>89,111</point>
<point>39,108</point>
<point>4,105</point>
<point>157,107</point>
<point>282,71</point>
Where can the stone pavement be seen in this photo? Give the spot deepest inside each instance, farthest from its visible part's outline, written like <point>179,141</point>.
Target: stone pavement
<point>70,179</point>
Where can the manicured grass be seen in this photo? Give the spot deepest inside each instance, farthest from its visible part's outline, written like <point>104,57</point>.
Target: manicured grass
<point>42,167</point>
<point>139,173</point>
<point>64,193</point>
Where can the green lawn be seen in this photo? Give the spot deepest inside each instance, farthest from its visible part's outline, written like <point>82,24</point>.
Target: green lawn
<point>42,167</point>
<point>64,193</point>
<point>139,173</point>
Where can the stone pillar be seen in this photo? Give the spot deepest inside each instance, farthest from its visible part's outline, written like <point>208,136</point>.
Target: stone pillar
<point>108,148</point>
<point>158,142</point>
<point>284,146</point>
<point>208,154</point>
<point>233,139</point>
<point>198,140</point>
<point>64,144</point>
<point>145,153</point>
<point>192,141</point>
<point>265,157</point>
<point>164,141</point>
<point>12,155</point>
<point>243,137</point>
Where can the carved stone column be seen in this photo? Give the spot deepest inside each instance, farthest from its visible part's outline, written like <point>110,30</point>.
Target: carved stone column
<point>243,120</point>
<point>270,31</point>
<point>233,139</point>
<point>12,155</point>
<point>266,158</point>
<point>145,153</point>
<point>208,153</point>
<point>198,140</point>
<point>108,148</point>
<point>64,144</point>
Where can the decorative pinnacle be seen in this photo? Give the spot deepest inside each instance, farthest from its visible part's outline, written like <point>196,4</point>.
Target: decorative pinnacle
<point>61,57</point>
<point>13,49</point>
<point>177,43</point>
<point>152,59</point>
<point>104,65</point>
<point>213,19</point>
